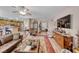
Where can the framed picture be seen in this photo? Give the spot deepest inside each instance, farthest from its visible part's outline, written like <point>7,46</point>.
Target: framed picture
<point>64,22</point>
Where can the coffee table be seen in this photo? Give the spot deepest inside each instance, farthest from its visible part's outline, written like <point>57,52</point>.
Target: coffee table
<point>26,48</point>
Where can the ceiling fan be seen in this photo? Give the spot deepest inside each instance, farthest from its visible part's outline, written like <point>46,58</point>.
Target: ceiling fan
<point>22,10</point>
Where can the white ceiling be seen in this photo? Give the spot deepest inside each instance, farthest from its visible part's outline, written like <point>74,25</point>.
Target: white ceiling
<point>43,12</point>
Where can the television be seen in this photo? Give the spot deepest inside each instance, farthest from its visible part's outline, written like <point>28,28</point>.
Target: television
<point>64,22</point>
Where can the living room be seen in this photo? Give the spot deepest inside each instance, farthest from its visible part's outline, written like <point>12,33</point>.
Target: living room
<point>45,29</point>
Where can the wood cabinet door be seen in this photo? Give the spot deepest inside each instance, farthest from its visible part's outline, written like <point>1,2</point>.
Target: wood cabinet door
<point>59,39</point>
<point>68,43</point>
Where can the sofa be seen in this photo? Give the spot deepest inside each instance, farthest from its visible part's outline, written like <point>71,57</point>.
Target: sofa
<point>9,42</point>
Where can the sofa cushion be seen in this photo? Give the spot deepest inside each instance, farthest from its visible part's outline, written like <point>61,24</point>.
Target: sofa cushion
<point>6,38</point>
<point>8,47</point>
<point>16,36</point>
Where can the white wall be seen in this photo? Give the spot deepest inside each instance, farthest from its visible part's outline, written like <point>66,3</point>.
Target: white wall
<point>74,12</point>
<point>50,27</point>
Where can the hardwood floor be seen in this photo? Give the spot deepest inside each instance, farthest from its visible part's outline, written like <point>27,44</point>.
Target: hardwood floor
<point>47,45</point>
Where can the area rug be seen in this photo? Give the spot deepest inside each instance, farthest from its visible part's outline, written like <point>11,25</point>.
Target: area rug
<point>48,45</point>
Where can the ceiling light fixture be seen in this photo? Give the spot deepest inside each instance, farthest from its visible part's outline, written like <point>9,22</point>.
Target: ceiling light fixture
<point>22,13</point>
<point>22,10</point>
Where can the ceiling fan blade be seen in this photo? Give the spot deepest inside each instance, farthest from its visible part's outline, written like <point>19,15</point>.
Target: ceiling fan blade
<point>15,11</point>
<point>22,6</point>
<point>28,14</point>
<point>28,9</point>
